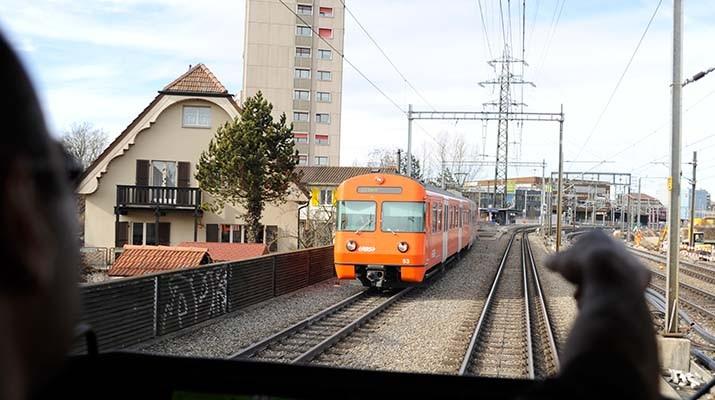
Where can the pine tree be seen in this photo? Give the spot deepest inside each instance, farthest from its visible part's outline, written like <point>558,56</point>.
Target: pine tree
<point>250,162</point>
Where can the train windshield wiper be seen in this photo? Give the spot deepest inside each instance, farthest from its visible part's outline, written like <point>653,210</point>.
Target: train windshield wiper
<point>357,232</point>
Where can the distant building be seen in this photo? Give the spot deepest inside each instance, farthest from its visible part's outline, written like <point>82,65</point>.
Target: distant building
<point>142,189</point>
<point>702,203</point>
<point>287,58</point>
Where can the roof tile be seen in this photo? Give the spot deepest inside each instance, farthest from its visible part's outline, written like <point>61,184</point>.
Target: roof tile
<point>142,260</point>
<point>198,79</point>
<point>230,251</point>
<point>335,175</point>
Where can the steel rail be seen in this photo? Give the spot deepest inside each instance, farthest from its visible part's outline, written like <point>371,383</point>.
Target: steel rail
<point>251,350</point>
<point>487,304</point>
<point>351,327</point>
<point>702,272</point>
<point>687,287</point>
<point>542,306</point>
<point>527,316</point>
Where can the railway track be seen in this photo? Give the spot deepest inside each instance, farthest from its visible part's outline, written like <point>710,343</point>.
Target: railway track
<point>702,272</point>
<point>513,337</point>
<point>696,300</point>
<point>307,339</point>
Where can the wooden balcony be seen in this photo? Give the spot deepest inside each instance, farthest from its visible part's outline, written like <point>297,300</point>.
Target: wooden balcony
<point>158,198</point>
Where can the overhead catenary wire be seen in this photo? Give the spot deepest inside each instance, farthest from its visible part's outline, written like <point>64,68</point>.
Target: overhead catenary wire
<point>558,10</point>
<point>620,79</point>
<point>372,39</point>
<point>661,126</point>
<point>484,28</point>
<point>501,18</point>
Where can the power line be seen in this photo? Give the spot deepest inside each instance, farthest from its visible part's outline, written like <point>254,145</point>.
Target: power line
<point>387,57</point>
<point>484,27</point>
<point>661,126</point>
<point>552,32</point>
<point>620,80</point>
<point>394,103</point>
<point>501,18</point>
<point>536,15</point>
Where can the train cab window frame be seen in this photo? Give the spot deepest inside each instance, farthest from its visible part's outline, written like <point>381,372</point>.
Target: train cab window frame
<point>417,226</point>
<point>363,221</point>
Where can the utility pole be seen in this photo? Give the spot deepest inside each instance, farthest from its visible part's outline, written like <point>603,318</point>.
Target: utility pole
<point>409,140</point>
<point>559,205</point>
<point>691,234</point>
<point>639,204</point>
<point>504,107</point>
<point>671,294</point>
<point>399,161</point>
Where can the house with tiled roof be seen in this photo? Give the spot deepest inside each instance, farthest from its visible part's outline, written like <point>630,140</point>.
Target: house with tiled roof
<point>222,252</point>
<point>143,260</point>
<point>142,189</point>
<point>317,216</point>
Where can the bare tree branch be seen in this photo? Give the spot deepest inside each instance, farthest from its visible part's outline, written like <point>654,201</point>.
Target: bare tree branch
<point>84,142</point>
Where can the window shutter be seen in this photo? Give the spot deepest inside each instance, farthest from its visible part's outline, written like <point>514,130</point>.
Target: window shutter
<point>142,173</point>
<point>212,232</point>
<point>182,181</point>
<point>184,174</point>
<point>164,234</point>
<point>121,234</point>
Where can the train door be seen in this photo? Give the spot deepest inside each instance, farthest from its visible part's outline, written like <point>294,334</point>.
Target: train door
<point>445,232</point>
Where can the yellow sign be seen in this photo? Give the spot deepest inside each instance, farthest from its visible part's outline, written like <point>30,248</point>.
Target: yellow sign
<point>314,196</point>
<point>510,187</point>
<point>670,183</point>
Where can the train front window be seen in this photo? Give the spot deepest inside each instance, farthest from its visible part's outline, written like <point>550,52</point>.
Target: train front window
<point>399,216</point>
<point>356,216</point>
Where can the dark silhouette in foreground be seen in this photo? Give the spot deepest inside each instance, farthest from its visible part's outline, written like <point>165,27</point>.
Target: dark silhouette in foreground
<point>38,240</point>
<point>611,352</point>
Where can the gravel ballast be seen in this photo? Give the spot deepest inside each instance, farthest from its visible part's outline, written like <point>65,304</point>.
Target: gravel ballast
<point>558,294</point>
<point>229,334</point>
<point>428,331</point>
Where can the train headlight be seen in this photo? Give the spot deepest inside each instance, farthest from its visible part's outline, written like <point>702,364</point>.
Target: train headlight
<point>402,247</point>
<point>351,245</point>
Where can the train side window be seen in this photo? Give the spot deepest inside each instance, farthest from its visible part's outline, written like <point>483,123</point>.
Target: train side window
<point>439,218</point>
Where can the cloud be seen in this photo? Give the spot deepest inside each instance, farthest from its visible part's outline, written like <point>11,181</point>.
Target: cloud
<point>115,54</point>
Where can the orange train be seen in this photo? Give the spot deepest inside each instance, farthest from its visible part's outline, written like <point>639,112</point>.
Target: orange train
<point>392,230</point>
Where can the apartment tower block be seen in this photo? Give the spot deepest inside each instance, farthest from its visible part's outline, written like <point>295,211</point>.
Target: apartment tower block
<point>291,54</point>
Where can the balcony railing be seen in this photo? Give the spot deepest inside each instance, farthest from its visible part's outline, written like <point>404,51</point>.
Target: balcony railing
<point>158,196</point>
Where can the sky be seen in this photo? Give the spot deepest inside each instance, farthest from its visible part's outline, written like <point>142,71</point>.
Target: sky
<point>102,62</point>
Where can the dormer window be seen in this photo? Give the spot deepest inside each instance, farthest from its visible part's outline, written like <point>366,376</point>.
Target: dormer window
<point>196,117</point>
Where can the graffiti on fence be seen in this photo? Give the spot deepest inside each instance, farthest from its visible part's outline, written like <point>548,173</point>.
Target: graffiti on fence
<point>192,298</point>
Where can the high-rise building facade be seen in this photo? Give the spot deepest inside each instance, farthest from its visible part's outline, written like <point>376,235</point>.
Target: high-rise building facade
<point>291,54</point>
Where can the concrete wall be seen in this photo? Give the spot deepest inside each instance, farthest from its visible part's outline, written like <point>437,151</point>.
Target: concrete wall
<point>166,139</point>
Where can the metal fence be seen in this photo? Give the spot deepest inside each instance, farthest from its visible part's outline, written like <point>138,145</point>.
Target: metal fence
<point>130,311</point>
